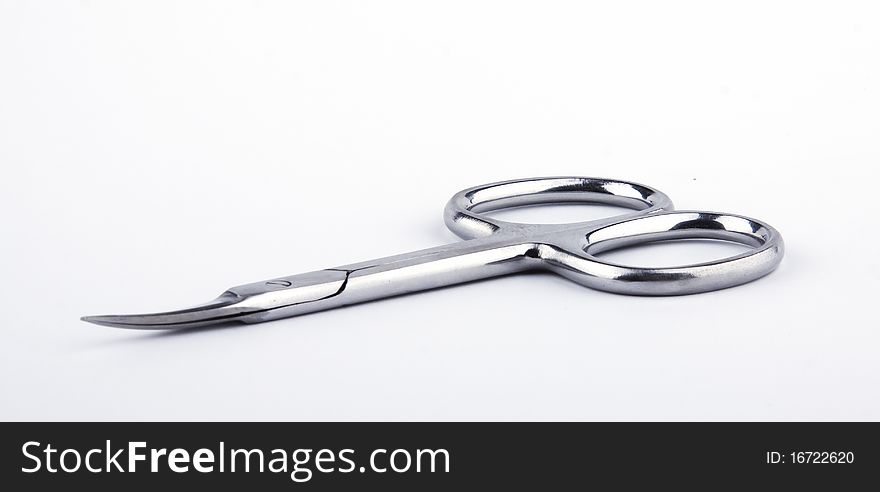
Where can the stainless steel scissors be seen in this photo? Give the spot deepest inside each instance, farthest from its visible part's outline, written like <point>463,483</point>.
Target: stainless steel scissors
<point>493,247</point>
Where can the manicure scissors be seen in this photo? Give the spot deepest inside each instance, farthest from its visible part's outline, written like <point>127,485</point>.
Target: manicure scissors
<point>493,247</point>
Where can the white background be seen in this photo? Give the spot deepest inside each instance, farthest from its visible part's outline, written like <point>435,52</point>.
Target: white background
<point>155,153</point>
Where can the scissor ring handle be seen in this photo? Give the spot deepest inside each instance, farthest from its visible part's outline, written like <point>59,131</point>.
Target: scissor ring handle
<point>570,249</point>
<point>584,267</point>
<point>463,212</point>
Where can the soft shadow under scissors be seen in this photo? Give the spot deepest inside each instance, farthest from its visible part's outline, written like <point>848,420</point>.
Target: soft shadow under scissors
<point>494,247</point>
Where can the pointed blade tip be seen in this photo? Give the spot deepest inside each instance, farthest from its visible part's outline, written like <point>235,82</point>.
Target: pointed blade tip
<point>219,310</point>
<point>119,321</point>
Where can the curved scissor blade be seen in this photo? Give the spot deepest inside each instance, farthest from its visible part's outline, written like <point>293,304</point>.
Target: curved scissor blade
<point>249,303</point>
<point>223,308</point>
